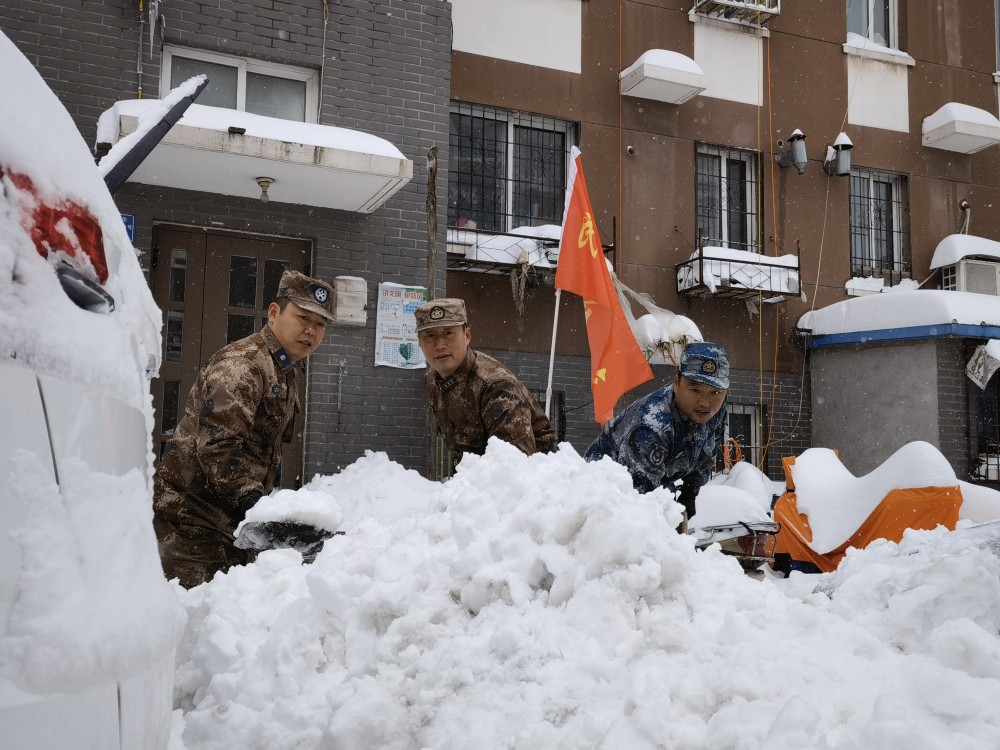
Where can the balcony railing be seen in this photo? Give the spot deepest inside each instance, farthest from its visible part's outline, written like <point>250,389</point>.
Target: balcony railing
<point>722,272</point>
<point>748,11</point>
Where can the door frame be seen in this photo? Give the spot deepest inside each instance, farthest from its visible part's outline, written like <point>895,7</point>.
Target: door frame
<point>158,280</point>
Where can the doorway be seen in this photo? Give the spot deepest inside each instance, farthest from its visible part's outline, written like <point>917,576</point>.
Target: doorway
<point>214,288</point>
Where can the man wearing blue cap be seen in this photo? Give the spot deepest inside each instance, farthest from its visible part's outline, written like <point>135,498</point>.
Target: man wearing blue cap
<point>674,433</point>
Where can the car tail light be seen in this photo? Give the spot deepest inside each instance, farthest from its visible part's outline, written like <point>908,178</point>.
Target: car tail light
<point>65,227</point>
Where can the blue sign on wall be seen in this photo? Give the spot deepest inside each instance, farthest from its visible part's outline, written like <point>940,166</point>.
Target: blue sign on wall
<point>129,220</point>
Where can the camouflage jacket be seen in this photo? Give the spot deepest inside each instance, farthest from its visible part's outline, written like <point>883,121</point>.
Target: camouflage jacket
<point>226,450</point>
<point>659,446</point>
<point>482,399</point>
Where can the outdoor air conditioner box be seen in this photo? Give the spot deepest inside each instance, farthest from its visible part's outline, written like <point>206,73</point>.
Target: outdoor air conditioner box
<point>979,276</point>
<point>350,304</point>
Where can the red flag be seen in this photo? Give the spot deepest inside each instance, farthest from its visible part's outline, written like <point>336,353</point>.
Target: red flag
<point>616,361</point>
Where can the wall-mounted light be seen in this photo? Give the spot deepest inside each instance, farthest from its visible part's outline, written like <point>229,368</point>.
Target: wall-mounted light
<point>265,183</point>
<point>838,157</point>
<point>796,153</point>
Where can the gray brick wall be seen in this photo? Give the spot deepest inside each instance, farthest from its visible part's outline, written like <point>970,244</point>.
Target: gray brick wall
<point>386,71</point>
<point>956,421</point>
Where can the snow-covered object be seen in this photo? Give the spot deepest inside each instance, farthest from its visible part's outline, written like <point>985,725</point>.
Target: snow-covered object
<point>837,502</point>
<point>725,267</point>
<point>87,621</point>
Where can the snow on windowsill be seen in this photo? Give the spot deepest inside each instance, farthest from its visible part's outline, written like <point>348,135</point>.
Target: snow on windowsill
<point>859,46</point>
<point>859,286</point>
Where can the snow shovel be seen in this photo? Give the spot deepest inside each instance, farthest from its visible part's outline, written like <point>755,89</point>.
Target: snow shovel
<point>263,535</point>
<point>753,544</point>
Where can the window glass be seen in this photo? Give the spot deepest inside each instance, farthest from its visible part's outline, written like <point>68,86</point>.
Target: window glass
<point>272,278</point>
<point>242,282</point>
<point>178,275</point>
<point>476,182</point>
<point>539,176</point>
<point>988,432</point>
<point>238,327</point>
<point>872,19</point>
<point>222,80</point>
<point>174,340</point>
<point>276,97</point>
<point>507,169</point>
<point>743,424</point>
<point>879,225</point>
<point>996,29</point>
<point>726,212</point>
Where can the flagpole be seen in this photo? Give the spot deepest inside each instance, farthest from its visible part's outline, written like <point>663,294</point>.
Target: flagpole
<point>552,354</point>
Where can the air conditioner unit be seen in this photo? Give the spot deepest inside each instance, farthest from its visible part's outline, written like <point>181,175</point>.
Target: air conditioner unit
<point>979,276</point>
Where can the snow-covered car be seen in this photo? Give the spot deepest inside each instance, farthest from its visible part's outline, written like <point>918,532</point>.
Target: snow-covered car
<point>88,624</point>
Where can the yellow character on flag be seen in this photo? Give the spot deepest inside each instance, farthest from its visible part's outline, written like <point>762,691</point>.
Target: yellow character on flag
<point>587,234</point>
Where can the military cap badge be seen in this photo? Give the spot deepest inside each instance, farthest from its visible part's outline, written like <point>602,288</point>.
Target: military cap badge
<point>708,366</point>
<point>436,313</point>
<point>320,294</point>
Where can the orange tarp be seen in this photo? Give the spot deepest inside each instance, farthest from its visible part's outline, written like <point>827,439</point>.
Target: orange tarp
<point>917,508</point>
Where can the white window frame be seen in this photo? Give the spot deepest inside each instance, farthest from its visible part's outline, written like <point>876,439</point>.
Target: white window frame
<point>244,66</point>
<point>751,453</point>
<point>893,41</point>
<point>511,121</point>
<point>996,31</point>
<point>752,217</point>
<point>898,203</point>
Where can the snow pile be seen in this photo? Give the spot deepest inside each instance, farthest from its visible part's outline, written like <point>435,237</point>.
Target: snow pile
<point>541,602</point>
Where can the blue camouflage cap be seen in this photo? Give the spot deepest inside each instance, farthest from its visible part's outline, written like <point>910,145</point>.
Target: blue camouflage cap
<point>704,362</point>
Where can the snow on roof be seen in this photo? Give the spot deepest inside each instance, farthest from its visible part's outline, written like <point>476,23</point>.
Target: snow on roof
<point>273,128</point>
<point>955,111</point>
<point>904,309</point>
<point>664,59</point>
<point>954,247</point>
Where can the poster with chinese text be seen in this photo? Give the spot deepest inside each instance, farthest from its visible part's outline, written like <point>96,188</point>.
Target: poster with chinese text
<point>395,327</point>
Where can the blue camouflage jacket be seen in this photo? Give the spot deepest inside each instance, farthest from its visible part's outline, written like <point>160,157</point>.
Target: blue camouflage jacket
<point>659,446</point>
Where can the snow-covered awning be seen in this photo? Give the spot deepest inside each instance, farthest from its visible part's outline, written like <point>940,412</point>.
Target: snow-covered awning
<point>961,128</point>
<point>664,76</point>
<point>902,316</point>
<point>954,247</point>
<point>225,151</point>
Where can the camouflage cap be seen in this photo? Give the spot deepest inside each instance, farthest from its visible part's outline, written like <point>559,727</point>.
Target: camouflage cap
<point>308,293</point>
<point>438,313</point>
<point>704,362</point>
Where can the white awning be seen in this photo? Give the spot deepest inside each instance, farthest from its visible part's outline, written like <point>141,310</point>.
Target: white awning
<point>225,151</point>
<point>664,76</point>
<point>961,128</point>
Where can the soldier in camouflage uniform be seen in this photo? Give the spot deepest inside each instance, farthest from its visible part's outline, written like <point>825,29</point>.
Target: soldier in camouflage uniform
<point>226,451</point>
<point>674,433</point>
<point>473,396</point>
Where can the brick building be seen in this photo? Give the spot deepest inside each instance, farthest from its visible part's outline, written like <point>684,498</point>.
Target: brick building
<point>688,114</point>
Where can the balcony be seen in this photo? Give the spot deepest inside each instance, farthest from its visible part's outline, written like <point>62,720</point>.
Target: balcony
<point>723,272</point>
<point>494,253</point>
<point>747,11</point>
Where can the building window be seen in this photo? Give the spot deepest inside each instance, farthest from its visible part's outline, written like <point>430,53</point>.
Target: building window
<point>874,20</point>
<point>880,225</point>
<point>987,466</point>
<point>261,88</point>
<point>743,426</point>
<point>508,169</point>
<point>996,29</point>
<point>727,198</point>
